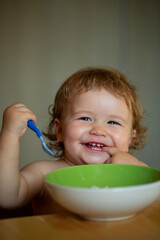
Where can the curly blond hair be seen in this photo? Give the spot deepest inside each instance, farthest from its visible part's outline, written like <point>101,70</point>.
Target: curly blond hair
<point>94,79</point>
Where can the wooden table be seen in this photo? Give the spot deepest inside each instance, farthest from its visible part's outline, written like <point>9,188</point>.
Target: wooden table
<point>145,225</point>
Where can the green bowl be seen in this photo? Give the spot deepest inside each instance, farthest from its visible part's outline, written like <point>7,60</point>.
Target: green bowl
<point>104,192</point>
<point>86,176</point>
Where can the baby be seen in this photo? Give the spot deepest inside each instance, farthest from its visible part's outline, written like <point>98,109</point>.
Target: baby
<point>96,119</point>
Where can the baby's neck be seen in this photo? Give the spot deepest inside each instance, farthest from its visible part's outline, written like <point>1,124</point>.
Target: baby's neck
<point>69,163</point>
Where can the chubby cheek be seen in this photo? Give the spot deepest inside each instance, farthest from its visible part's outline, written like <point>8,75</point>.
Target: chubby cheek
<point>72,134</point>
<point>121,142</point>
<point>73,148</point>
<point>74,131</point>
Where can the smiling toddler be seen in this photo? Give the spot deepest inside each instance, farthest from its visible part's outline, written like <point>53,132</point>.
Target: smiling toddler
<point>96,119</point>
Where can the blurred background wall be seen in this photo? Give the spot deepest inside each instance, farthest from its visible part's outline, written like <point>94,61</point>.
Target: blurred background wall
<point>42,42</point>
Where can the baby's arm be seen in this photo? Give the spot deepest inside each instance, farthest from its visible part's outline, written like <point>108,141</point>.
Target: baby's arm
<point>118,157</point>
<point>13,185</point>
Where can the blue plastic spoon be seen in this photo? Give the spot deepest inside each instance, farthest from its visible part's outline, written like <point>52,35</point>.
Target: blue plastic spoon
<point>33,127</point>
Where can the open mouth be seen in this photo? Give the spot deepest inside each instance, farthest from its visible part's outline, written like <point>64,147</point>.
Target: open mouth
<point>94,146</point>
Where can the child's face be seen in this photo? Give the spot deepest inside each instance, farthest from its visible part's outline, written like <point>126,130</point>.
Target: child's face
<point>95,119</point>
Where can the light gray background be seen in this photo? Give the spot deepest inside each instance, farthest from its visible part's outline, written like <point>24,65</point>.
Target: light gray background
<point>44,42</point>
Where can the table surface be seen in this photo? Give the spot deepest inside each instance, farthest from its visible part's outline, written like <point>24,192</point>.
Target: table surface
<point>144,225</point>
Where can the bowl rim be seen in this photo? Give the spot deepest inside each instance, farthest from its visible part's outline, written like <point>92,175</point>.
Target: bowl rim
<point>98,189</point>
<point>108,189</point>
<point>111,164</point>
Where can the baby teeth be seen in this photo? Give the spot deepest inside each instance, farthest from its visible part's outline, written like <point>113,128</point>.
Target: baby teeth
<point>97,149</point>
<point>96,144</point>
<point>92,144</point>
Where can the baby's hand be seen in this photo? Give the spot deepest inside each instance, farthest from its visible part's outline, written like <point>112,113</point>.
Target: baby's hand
<point>15,119</point>
<point>119,157</point>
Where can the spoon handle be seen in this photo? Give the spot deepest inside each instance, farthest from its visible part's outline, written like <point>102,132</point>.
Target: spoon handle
<point>32,126</point>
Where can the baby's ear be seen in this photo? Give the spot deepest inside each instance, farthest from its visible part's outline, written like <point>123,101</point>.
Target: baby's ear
<point>58,129</point>
<point>133,134</point>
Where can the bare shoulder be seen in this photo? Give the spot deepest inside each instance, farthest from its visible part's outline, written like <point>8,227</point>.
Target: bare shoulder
<point>33,174</point>
<point>44,166</point>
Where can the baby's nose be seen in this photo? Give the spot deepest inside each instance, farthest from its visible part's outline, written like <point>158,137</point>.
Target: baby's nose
<point>98,130</point>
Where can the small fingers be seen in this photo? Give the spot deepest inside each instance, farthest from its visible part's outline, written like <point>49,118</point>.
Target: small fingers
<point>18,105</point>
<point>15,118</point>
<point>110,150</point>
<point>29,115</point>
<point>21,107</point>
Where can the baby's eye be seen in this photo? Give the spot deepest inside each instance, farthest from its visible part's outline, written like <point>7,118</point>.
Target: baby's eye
<point>86,119</point>
<point>113,122</point>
